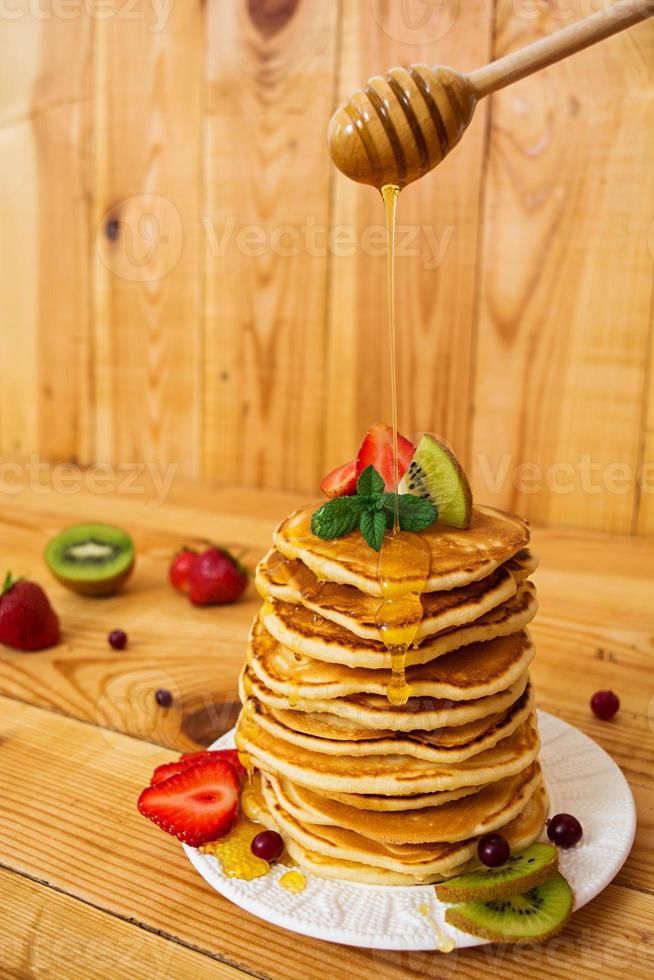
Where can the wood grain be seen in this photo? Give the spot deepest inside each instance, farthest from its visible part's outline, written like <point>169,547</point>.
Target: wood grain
<point>74,765</point>
<point>46,933</point>
<point>45,182</point>
<point>645,517</point>
<point>270,81</point>
<point>148,98</point>
<point>565,315</point>
<point>438,224</point>
<point>144,158</point>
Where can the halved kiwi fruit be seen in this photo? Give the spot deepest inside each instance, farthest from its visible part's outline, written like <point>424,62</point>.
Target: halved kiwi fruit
<point>517,875</point>
<point>91,559</point>
<point>436,474</point>
<point>534,916</point>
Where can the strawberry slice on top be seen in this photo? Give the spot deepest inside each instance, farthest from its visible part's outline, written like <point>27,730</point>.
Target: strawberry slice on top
<point>197,805</point>
<point>341,482</point>
<point>377,450</point>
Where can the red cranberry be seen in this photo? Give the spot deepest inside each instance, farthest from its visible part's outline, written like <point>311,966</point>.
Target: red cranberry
<point>117,639</point>
<point>604,704</point>
<point>493,850</point>
<point>267,845</point>
<point>163,697</point>
<point>564,830</point>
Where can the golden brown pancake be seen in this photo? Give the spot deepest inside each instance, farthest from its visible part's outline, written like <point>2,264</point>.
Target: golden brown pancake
<point>302,632</point>
<point>457,556</point>
<point>420,861</point>
<point>375,711</point>
<point>492,807</point>
<point>292,582</point>
<point>447,745</point>
<point>392,775</point>
<point>470,672</point>
<point>523,564</point>
<point>384,804</point>
<point>520,832</point>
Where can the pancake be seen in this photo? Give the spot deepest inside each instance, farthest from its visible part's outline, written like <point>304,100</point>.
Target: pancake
<point>255,808</point>
<point>374,711</point>
<point>473,671</point>
<point>385,804</point>
<point>457,556</point>
<point>523,564</point>
<point>421,861</point>
<point>441,747</point>
<point>520,833</point>
<point>492,807</point>
<point>292,582</point>
<point>391,775</point>
<point>301,632</point>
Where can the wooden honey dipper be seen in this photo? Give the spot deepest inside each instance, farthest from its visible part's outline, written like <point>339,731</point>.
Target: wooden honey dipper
<point>399,127</point>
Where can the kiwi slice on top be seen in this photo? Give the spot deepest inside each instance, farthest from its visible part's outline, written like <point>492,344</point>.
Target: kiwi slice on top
<point>436,474</point>
<point>520,873</point>
<point>532,917</point>
<point>91,559</point>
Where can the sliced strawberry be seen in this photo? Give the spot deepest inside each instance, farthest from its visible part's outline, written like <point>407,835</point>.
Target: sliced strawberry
<point>229,755</point>
<point>197,805</point>
<point>341,482</point>
<point>377,450</point>
<point>167,770</point>
<point>189,759</point>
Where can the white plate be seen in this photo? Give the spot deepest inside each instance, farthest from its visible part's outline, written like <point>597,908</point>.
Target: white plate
<point>581,779</point>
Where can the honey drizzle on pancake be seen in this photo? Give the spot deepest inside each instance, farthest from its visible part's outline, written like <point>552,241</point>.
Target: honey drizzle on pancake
<point>247,725</point>
<point>269,607</point>
<point>400,613</point>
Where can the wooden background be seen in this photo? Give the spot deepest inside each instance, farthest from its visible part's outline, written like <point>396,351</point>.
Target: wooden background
<point>170,293</point>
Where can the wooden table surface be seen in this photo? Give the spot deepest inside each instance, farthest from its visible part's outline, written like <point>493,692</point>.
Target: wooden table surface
<point>88,888</point>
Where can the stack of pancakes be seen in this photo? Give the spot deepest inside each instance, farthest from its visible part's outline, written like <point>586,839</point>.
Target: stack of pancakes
<point>370,791</point>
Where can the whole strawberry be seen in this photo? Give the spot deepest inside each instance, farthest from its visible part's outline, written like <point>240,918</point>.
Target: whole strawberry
<point>216,577</point>
<point>180,569</point>
<point>27,620</point>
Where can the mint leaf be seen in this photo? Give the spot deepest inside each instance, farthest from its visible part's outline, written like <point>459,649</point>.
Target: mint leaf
<point>373,525</point>
<point>336,518</point>
<point>415,513</point>
<point>370,483</point>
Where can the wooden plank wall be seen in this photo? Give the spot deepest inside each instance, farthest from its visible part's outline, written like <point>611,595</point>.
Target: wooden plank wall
<point>186,279</point>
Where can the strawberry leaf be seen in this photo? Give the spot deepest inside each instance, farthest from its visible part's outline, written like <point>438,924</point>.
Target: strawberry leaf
<point>7,584</point>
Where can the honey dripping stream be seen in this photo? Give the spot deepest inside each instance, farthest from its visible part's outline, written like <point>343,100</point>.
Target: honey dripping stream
<point>444,942</point>
<point>404,560</point>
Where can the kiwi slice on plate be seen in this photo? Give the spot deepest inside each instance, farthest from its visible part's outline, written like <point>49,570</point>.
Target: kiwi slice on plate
<point>518,874</point>
<point>91,559</point>
<point>436,474</point>
<point>531,917</point>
